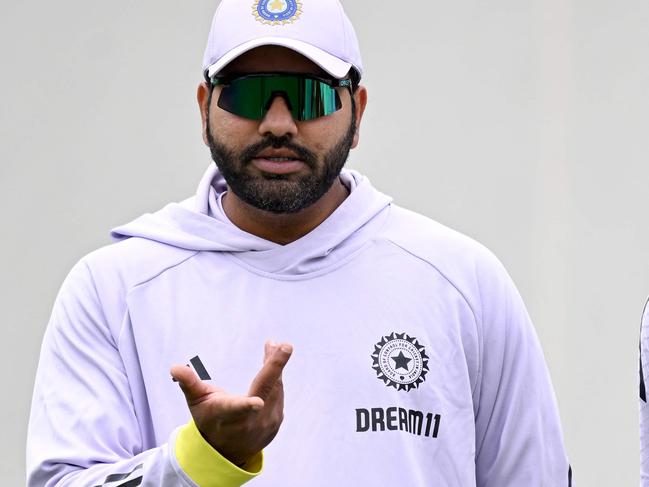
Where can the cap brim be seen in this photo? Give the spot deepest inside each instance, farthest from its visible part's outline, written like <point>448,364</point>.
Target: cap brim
<point>331,64</point>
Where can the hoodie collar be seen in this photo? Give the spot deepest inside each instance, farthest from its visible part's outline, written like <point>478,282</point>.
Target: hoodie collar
<point>197,224</point>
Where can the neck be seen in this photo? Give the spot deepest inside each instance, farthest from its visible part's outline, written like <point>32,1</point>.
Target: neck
<point>283,228</point>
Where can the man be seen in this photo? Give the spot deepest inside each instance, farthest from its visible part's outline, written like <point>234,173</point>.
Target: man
<point>414,359</point>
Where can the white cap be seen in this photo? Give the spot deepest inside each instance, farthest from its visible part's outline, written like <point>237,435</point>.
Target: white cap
<point>318,29</point>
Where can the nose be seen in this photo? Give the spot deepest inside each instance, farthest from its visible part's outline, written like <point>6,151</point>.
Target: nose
<point>278,121</point>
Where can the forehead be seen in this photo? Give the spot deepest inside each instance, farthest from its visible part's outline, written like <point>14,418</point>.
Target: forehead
<point>267,59</point>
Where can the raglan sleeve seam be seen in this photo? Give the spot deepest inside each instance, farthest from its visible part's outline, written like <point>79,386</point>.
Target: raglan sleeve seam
<point>477,322</point>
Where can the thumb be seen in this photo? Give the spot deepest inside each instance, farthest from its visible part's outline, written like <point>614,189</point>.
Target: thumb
<point>193,388</point>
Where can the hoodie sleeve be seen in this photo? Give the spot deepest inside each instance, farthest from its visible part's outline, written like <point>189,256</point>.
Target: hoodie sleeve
<point>644,407</point>
<point>83,430</point>
<point>518,432</point>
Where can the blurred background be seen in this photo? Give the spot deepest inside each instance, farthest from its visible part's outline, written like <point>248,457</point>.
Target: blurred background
<point>522,123</point>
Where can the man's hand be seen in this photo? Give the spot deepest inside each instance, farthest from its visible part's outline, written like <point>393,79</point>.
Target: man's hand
<point>239,427</point>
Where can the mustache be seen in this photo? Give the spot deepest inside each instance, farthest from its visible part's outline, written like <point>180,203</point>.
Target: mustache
<point>274,142</point>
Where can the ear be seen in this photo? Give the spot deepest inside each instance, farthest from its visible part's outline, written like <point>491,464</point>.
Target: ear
<point>202,96</point>
<point>360,97</point>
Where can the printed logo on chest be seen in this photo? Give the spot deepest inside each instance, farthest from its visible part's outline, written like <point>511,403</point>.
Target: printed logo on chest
<point>400,361</point>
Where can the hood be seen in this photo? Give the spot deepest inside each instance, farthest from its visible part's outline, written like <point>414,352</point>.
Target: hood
<point>199,224</point>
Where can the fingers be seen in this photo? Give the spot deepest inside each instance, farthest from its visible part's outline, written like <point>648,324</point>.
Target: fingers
<point>196,391</point>
<point>276,357</point>
<point>269,348</point>
<point>193,388</point>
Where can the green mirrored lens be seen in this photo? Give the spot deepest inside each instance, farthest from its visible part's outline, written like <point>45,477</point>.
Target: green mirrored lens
<point>252,96</point>
<point>320,100</point>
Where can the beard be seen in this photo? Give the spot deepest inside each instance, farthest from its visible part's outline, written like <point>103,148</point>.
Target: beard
<point>279,193</point>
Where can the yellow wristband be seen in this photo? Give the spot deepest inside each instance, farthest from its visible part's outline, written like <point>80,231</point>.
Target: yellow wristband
<point>206,466</point>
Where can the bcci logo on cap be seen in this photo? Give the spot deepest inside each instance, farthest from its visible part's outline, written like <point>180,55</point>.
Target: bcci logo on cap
<point>277,12</point>
<point>400,361</point>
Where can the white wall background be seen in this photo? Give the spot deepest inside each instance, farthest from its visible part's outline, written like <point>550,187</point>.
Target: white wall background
<point>523,123</point>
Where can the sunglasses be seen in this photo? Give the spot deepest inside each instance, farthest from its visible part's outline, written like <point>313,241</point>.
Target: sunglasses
<point>307,97</point>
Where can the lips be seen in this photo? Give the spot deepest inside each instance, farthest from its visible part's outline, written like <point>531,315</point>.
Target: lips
<point>278,161</point>
<point>277,154</point>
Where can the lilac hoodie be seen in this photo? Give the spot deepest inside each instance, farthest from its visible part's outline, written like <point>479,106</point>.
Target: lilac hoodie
<point>415,362</point>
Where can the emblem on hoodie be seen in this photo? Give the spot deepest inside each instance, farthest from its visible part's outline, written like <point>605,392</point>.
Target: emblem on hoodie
<point>400,361</point>
<point>277,12</point>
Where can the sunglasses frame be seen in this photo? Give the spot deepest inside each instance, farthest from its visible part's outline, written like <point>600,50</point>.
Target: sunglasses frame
<point>225,80</point>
